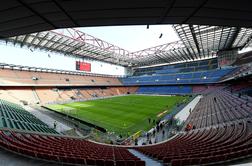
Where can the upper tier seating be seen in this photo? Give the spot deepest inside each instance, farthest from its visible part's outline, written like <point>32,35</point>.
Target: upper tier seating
<point>15,117</point>
<point>67,150</point>
<point>199,77</point>
<point>198,72</point>
<point>179,68</point>
<point>239,72</point>
<point>18,77</point>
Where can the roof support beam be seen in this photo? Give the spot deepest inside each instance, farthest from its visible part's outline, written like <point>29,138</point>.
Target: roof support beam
<point>160,58</point>
<point>195,11</point>
<point>58,46</point>
<point>247,42</point>
<point>56,42</point>
<point>168,8</point>
<point>71,47</point>
<point>37,13</point>
<point>41,40</point>
<point>194,38</point>
<point>165,58</point>
<point>24,41</point>
<point>234,36</point>
<point>66,13</point>
<point>49,41</point>
<point>15,41</point>
<point>202,46</point>
<point>188,41</point>
<point>183,54</point>
<point>220,39</point>
<point>67,45</point>
<point>173,57</point>
<point>180,56</point>
<point>33,40</point>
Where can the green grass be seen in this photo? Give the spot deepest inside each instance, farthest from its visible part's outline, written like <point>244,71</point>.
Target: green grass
<point>122,115</point>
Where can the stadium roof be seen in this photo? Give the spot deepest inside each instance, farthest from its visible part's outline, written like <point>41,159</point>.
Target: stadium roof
<point>196,42</point>
<point>229,19</point>
<point>27,16</point>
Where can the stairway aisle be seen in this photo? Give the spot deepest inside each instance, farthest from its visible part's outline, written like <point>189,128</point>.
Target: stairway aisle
<point>148,161</point>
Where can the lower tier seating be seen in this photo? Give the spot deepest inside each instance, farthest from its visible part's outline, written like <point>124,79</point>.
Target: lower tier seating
<point>221,133</point>
<point>214,145</point>
<point>220,107</point>
<point>48,95</point>
<point>15,117</point>
<point>67,150</point>
<point>165,90</point>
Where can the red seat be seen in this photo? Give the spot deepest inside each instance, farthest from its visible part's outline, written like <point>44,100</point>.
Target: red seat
<point>80,161</point>
<point>90,161</point>
<point>100,162</point>
<point>186,161</point>
<point>63,159</point>
<point>140,163</point>
<point>167,159</point>
<point>109,162</point>
<point>195,161</point>
<point>130,163</point>
<point>120,163</point>
<point>176,162</point>
<point>71,159</point>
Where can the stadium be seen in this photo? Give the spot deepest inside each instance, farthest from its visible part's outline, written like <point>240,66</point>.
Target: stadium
<point>68,97</point>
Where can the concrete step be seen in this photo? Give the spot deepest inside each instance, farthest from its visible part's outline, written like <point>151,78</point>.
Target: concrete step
<point>148,161</point>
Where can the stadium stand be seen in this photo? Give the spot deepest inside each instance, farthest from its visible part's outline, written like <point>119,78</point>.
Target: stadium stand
<point>179,68</point>
<point>199,88</point>
<point>221,121</point>
<point>198,72</point>
<point>221,129</point>
<point>219,107</point>
<point>222,132</point>
<point>50,95</point>
<point>45,94</point>
<point>241,86</point>
<point>21,78</point>
<point>162,90</point>
<point>223,143</point>
<point>66,149</point>
<point>220,124</point>
<point>244,58</point>
<point>14,116</point>
<point>240,71</point>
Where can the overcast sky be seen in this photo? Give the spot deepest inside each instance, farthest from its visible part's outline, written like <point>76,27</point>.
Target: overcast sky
<point>134,38</point>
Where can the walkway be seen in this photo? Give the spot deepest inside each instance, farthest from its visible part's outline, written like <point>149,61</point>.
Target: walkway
<point>148,161</point>
<point>48,120</point>
<point>185,112</point>
<point>158,137</point>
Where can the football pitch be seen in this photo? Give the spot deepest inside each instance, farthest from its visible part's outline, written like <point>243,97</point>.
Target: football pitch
<point>122,115</point>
